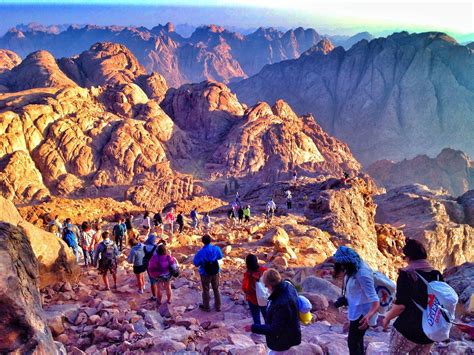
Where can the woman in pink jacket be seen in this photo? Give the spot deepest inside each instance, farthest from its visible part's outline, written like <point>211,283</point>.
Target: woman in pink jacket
<point>159,269</point>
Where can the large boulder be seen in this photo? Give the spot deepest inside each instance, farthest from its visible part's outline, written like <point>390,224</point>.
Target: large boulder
<point>461,279</point>
<point>313,284</point>
<point>54,258</point>
<point>23,327</point>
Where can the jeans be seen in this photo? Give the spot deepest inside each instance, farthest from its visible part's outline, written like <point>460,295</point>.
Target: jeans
<point>75,251</point>
<point>181,226</point>
<point>119,241</point>
<point>288,204</point>
<point>255,311</point>
<point>195,223</point>
<point>87,256</point>
<point>355,340</point>
<point>207,281</point>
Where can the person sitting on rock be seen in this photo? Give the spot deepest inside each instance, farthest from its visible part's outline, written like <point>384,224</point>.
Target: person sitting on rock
<point>247,214</point>
<point>180,222</point>
<point>282,329</point>
<point>106,258</point>
<point>359,295</point>
<point>85,240</point>
<point>251,276</point>
<point>159,269</point>
<point>194,218</point>
<point>407,335</point>
<point>135,257</point>
<point>207,259</point>
<point>206,222</point>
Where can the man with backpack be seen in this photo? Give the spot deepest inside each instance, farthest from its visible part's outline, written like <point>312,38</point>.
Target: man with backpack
<point>71,238</point>
<point>207,259</point>
<point>119,233</point>
<point>106,258</point>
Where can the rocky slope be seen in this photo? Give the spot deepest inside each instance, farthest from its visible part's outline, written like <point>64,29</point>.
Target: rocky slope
<point>442,223</point>
<point>390,98</point>
<point>451,170</point>
<point>211,53</point>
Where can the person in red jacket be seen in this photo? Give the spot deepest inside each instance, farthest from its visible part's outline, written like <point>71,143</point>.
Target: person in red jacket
<point>251,276</point>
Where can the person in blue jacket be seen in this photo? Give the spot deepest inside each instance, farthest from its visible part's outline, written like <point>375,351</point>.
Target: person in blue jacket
<point>207,259</point>
<point>282,329</point>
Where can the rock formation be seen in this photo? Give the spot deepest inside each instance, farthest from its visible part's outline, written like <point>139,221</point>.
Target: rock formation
<point>211,53</point>
<point>451,170</point>
<point>390,98</point>
<point>8,60</point>
<point>432,217</point>
<point>54,259</point>
<point>23,326</point>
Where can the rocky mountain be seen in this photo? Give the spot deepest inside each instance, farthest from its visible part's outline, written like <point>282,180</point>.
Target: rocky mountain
<point>348,41</point>
<point>86,127</point>
<point>451,170</point>
<point>390,98</point>
<point>210,53</point>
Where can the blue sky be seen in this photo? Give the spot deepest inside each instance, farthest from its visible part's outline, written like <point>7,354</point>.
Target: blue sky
<point>337,16</point>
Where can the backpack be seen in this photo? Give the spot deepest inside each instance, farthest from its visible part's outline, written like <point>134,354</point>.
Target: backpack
<point>174,268</point>
<point>304,310</point>
<point>262,294</point>
<point>70,238</point>
<point>440,309</point>
<point>385,289</point>
<point>148,255</point>
<point>108,255</point>
<point>211,267</point>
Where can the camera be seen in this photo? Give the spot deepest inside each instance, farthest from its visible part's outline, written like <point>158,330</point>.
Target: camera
<point>341,302</point>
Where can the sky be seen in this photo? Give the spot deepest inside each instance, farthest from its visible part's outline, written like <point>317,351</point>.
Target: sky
<point>327,16</point>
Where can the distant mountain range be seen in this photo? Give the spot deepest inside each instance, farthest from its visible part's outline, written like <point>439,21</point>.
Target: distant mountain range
<point>210,53</point>
<point>390,98</point>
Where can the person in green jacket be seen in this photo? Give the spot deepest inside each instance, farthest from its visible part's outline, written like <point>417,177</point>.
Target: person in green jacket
<point>247,214</point>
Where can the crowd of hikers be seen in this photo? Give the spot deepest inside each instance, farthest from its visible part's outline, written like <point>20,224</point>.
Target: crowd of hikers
<point>275,307</point>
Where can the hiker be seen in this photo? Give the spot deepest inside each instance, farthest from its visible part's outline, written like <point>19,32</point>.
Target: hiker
<point>180,222</point>
<point>97,237</point>
<point>149,249</point>
<point>129,227</point>
<point>231,216</point>
<point>271,207</point>
<point>135,257</point>
<point>240,214</point>
<point>282,329</point>
<point>247,214</point>
<point>157,219</point>
<point>295,176</point>
<point>159,269</point>
<point>235,208</point>
<point>119,231</point>
<point>207,259</point>
<point>237,198</point>
<point>358,294</point>
<point>170,219</point>
<point>55,227</point>
<point>70,238</point>
<point>143,234</point>
<point>407,335</point>
<point>106,258</point>
<point>251,276</point>
<point>288,199</point>
<point>194,218</point>
<point>85,241</point>
<point>206,222</point>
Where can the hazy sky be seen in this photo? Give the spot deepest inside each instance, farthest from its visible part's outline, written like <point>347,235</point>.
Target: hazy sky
<point>331,16</point>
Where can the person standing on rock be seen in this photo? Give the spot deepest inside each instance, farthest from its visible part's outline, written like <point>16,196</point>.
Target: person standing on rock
<point>288,199</point>
<point>207,259</point>
<point>157,219</point>
<point>231,216</point>
<point>170,219</point>
<point>85,240</point>
<point>240,214</point>
<point>194,218</point>
<point>282,329</point>
<point>407,335</point>
<point>271,207</point>
<point>135,257</point>
<point>180,222</point>
<point>129,226</point>
<point>106,258</point>
<point>159,269</point>
<point>247,214</point>
<point>251,276</point>
<point>359,295</point>
<point>206,222</point>
<point>119,231</point>
<point>149,249</point>
<point>55,226</point>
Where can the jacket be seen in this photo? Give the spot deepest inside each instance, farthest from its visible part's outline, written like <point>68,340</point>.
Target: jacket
<point>136,255</point>
<point>207,253</point>
<point>248,284</point>
<point>86,237</point>
<point>282,330</point>
<point>360,292</point>
<point>159,265</point>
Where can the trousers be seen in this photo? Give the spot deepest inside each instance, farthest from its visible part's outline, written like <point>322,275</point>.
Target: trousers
<point>207,282</point>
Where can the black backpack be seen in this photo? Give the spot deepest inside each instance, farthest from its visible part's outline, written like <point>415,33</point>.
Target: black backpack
<point>148,255</point>
<point>211,267</point>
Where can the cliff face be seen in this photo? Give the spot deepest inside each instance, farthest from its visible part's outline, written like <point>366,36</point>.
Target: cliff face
<point>211,53</point>
<point>451,170</point>
<point>390,98</point>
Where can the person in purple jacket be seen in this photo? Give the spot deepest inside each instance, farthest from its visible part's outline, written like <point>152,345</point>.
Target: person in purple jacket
<point>159,269</point>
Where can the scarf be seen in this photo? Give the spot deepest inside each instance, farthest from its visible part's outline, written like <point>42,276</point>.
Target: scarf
<point>413,266</point>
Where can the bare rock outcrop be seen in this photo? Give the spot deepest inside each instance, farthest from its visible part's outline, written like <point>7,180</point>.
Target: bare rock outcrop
<point>54,259</point>
<point>432,217</point>
<point>460,278</point>
<point>451,170</point>
<point>23,326</point>
<point>8,60</point>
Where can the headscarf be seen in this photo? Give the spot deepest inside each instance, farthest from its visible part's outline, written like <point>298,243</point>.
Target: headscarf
<point>346,255</point>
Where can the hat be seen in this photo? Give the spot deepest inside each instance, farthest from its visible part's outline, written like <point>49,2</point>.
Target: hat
<point>346,255</point>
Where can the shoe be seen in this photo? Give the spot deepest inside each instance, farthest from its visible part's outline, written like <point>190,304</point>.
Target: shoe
<point>140,292</point>
<point>152,298</point>
<point>204,308</point>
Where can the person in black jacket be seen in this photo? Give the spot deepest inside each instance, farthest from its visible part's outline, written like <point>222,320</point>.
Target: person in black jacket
<point>282,329</point>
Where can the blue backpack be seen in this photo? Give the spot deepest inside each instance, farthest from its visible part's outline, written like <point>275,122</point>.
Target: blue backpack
<point>70,238</point>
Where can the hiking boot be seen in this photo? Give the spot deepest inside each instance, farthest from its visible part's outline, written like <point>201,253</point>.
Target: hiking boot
<point>204,308</point>
<point>152,298</point>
